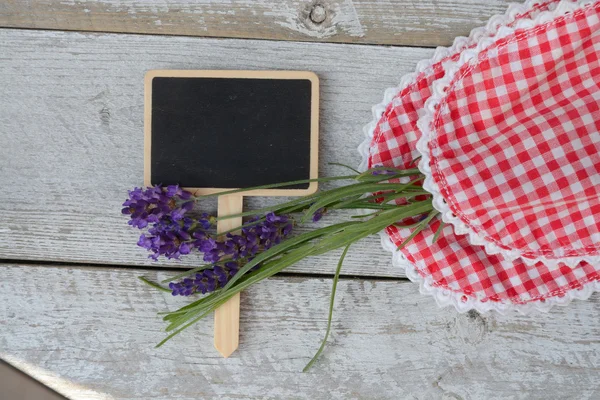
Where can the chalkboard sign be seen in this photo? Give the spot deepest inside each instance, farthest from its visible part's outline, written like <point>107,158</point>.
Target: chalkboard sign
<point>212,131</point>
<point>217,130</point>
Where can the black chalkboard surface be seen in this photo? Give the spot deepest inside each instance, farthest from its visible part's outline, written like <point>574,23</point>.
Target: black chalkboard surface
<point>218,130</point>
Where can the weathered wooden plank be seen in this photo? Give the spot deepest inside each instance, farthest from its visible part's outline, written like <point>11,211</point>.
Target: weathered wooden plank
<point>395,22</point>
<point>72,136</point>
<point>89,333</point>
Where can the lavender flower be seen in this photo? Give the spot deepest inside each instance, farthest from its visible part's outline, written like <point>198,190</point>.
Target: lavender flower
<point>237,249</point>
<point>170,231</point>
<point>265,234</point>
<point>384,172</point>
<point>154,203</point>
<point>163,211</point>
<point>318,214</point>
<point>176,191</point>
<point>179,213</point>
<point>206,221</point>
<point>206,281</point>
<point>168,238</point>
<point>259,236</point>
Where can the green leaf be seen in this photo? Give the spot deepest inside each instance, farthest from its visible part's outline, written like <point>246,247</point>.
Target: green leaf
<point>419,228</point>
<point>178,320</point>
<point>414,161</point>
<point>338,194</point>
<point>277,185</point>
<point>365,215</point>
<point>192,305</point>
<point>399,190</point>
<point>264,272</point>
<point>177,332</point>
<point>331,303</point>
<point>188,273</point>
<point>437,232</point>
<point>153,284</point>
<point>378,200</point>
<point>368,176</point>
<point>287,244</point>
<point>345,166</point>
<point>354,233</point>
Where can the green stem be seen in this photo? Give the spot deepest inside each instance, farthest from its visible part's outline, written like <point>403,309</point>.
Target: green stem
<point>188,273</point>
<point>153,284</point>
<point>419,228</point>
<point>336,277</point>
<point>277,185</point>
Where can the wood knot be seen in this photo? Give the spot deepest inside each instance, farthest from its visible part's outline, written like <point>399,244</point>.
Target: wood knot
<point>318,14</point>
<point>470,328</point>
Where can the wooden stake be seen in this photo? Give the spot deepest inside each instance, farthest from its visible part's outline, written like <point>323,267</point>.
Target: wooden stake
<point>227,317</point>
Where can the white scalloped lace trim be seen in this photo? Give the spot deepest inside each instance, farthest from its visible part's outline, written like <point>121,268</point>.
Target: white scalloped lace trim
<point>425,124</point>
<point>445,297</point>
<point>463,303</point>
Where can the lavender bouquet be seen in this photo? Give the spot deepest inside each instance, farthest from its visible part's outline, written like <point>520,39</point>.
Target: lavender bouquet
<point>266,243</point>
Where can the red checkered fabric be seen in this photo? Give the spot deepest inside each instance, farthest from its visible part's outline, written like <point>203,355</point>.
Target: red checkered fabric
<point>515,143</point>
<point>451,263</point>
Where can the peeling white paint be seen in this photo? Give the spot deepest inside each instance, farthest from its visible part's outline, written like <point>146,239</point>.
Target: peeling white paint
<point>409,22</point>
<point>348,19</point>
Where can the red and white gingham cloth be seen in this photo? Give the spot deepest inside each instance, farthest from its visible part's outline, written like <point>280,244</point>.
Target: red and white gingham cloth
<point>512,142</point>
<point>452,269</point>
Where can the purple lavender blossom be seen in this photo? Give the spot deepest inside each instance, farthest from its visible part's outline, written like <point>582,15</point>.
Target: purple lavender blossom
<point>150,205</point>
<point>176,191</point>
<point>237,249</point>
<point>167,238</point>
<point>259,236</point>
<point>170,231</point>
<point>206,244</point>
<point>206,281</point>
<point>206,221</point>
<point>318,214</point>
<point>178,213</point>
<point>163,211</point>
<point>385,172</point>
<point>265,234</point>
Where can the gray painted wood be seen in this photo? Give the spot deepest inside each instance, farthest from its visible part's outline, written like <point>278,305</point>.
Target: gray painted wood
<point>396,22</point>
<point>89,333</point>
<point>71,140</point>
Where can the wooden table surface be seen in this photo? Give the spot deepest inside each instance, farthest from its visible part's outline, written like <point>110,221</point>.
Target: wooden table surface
<point>73,314</point>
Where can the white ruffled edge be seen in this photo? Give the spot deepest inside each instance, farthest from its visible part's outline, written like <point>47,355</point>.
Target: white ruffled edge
<point>445,297</point>
<point>425,123</point>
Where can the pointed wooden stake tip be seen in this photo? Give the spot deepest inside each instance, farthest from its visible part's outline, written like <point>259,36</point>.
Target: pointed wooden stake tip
<point>227,326</point>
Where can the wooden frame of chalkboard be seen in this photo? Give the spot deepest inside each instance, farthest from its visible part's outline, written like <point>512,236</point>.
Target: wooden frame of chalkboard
<point>261,75</point>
